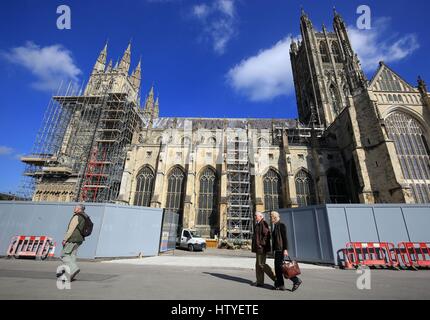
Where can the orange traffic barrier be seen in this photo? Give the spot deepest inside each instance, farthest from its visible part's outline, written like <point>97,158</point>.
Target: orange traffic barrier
<point>31,246</point>
<point>414,254</point>
<point>370,254</point>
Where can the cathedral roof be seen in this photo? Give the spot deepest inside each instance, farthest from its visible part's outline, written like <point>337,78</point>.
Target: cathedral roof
<point>379,76</point>
<point>223,123</point>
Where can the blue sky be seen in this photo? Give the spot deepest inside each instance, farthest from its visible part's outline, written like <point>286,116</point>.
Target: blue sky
<point>214,58</point>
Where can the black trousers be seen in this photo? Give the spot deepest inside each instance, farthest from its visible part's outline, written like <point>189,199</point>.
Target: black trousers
<point>279,259</point>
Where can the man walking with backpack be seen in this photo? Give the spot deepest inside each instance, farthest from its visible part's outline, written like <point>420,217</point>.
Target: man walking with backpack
<point>80,226</point>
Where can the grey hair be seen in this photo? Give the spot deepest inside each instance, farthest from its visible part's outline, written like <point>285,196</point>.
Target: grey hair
<point>275,214</point>
<point>259,213</point>
<point>81,206</point>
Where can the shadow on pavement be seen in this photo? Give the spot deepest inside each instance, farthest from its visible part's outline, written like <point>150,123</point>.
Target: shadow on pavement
<point>237,279</point>
<point>93,277</point>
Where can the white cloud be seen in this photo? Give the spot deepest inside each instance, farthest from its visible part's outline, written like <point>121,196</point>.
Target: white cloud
<point>226,6</point>
<point>201,11</point>
<point>219,22</point>
<point>50,64</point>
<point>5,151</point>
<point>266,75</point>
<point>377,44</point>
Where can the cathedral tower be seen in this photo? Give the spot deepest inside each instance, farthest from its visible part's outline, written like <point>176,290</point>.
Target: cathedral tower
<point>326,71</point>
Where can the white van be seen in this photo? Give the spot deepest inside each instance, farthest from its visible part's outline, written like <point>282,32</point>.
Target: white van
<point>191,240</point>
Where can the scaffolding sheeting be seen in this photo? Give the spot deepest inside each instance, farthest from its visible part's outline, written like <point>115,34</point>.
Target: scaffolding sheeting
<point>239,207</point>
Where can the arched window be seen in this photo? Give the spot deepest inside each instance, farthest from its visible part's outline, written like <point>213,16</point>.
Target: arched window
<point>413,152</point>
<point>207,213</point>
<point>336,52</point>
<point>335,101</point>
<point>304,189</point>
<point>262,143</point>
<point>212,141</point>
<point>272,191</point>
<point>144,187</point>
<point>324,52</point>
<point>337,187</point>
<point>175,191</point>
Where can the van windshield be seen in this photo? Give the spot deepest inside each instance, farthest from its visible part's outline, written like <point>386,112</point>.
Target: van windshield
<point>196,234</point>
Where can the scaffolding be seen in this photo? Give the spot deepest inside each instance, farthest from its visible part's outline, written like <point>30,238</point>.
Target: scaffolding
<point>83,141</point>
<point>44,154</point>
<point>239,204</point>
<point>101,178</point>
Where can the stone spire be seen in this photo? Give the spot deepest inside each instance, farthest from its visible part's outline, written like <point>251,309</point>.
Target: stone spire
<point>101,61</point>
<point>149,103</point>
<point>306,26</point>
<point>124,65</point>
<point>136,76</point>
<point>293,46</point>
<point>156,108</point>
<point>109,67</point>
<point>335,11</point>
<point>302,12</point>
<point>422,87</point>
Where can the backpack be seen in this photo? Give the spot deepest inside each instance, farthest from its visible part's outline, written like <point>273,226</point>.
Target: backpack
<point>88,226</point>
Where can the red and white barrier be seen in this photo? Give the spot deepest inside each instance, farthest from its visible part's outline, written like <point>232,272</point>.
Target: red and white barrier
<point>414,254</point>
<point>372,254</point>
<point>39,247</point>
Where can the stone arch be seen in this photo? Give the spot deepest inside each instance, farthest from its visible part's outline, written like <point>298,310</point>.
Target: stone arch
<point>337,186</point>
<point>211,141</point>
<point>412,150</point>
<point>207,204</point>
<point>272,189</point>
<point>325,57</point>
<point>335,49</point>
<point>176,182</point>
<point>305,188</point>
<point>144,190</point>
<point>409,111</point>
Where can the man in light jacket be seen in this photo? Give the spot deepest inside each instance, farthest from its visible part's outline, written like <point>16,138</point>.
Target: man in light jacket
<point>72,241</point>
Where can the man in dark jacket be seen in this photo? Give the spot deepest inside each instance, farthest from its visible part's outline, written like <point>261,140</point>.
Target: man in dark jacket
<point>72,240</point>
<point>261,245</point>
<point>280,249</point>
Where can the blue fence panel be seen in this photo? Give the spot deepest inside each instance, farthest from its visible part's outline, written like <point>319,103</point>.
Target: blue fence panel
<point>118,230</point>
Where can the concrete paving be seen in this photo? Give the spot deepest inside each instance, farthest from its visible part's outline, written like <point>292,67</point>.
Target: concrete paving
<point>205,262</point>
<point>28,279</point>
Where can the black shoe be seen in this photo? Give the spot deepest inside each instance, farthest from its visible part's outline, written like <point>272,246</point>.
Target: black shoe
<point>255,284</point>
<point>296,285</point>
<point>59,274</point>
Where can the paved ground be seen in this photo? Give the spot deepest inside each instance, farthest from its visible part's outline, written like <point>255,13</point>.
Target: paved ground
<point>198,277</point>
